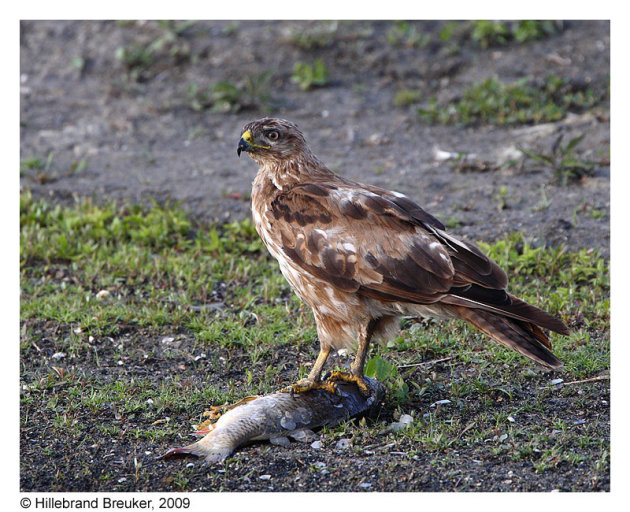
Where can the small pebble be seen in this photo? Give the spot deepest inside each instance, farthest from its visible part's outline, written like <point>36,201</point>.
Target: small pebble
<point>440,402</point>
<point>264,477</point>
<point>280,441</point>
<point>397,426</point>
<point>556,381</point>
<point>190,465</point>
<point>316,445</point>
<point>406,418</point>
<point>365,485</point>
<point>343,444</point>
<point>58,355</point>
<point>439,155</point>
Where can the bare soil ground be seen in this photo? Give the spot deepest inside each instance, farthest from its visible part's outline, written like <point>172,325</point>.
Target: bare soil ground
<point>103,129</point>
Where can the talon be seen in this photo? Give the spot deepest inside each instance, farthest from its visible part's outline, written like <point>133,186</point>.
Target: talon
<point>358,380</point>
<point>305,385</point>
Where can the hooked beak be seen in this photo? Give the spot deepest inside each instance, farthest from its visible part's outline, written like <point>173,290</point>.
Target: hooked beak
<point>243,145</point>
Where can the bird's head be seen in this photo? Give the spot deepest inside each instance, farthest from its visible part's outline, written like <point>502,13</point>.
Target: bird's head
<point>272,139</point>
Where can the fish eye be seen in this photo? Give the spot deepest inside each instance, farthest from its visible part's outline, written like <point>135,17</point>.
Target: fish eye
<point>273,135</point>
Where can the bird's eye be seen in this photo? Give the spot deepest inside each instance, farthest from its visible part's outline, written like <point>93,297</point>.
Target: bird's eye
<point>273,135</point>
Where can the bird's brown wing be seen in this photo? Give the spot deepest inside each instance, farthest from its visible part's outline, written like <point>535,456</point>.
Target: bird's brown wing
<point>377,243</point>
<point>382,244</point>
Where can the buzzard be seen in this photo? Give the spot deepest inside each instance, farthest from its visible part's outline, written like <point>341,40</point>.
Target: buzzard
<point>361,256</point>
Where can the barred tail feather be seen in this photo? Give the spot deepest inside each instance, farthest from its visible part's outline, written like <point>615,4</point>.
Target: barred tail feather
<point>477,297</point>
<point>524,337</point>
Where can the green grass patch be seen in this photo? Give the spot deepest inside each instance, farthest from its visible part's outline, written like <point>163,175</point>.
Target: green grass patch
<point>309,76</point>
<point>488,33</point>
<point>451,37</point>
<point>405,34</point>
<point>492,101</point>
<point>252,92</point>
<point>406,97</point>
<point>103,266</point>
<point>565,162</point>
<point>320,35</point>
<point>141,58</point>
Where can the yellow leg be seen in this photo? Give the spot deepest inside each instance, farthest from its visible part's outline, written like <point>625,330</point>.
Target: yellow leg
<point>356,369</point>
<point>316,372</point>
<point>364,344</point>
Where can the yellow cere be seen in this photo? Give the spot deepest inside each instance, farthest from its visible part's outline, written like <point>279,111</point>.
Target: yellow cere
<point>247,137</point>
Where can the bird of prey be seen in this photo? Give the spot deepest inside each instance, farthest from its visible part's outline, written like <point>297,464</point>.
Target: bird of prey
<point>361,257</point>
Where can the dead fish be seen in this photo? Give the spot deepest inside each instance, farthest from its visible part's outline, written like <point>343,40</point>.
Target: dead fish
<point>280,416</point>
